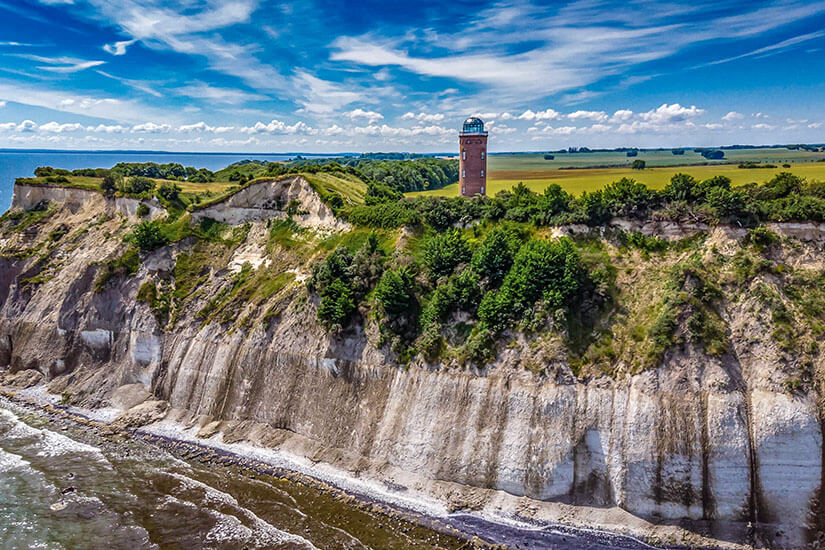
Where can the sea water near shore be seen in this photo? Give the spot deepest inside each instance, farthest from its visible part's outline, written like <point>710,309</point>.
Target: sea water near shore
<point>65,487</point>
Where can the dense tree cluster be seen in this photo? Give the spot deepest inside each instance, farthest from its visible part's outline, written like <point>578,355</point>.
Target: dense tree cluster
<point>493,282</point>
<point>786,197</point>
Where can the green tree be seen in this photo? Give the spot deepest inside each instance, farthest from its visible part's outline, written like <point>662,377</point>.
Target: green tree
<point>638,164</point>
<point>337,305</point>
<point>395,291</point>
<point>149,236</point>
<point>444,252</point>
<point>494,256</point>
<point>680,188</point>
<point>169,192</point>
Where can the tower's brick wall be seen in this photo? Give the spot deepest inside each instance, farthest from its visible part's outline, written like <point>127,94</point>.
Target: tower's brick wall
<point>472,175</point>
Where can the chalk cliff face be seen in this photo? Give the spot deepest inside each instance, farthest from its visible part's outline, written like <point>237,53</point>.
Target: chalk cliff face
<point>717,446</point>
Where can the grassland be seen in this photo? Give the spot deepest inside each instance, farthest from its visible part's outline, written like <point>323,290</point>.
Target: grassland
<point>579,180</point>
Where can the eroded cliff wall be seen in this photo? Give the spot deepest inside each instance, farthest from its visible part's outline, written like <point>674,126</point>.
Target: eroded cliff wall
<point>716,445</point>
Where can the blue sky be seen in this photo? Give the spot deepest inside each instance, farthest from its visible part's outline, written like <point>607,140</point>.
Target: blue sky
<point>328,76</point>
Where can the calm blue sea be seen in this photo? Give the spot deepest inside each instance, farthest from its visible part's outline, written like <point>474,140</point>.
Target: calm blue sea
<point>20,164</point>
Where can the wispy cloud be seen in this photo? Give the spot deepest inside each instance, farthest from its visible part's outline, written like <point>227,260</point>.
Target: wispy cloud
<point>118,48</point>
<point>62,64</point>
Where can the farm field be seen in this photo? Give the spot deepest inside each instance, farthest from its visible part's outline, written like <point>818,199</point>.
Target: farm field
<point>592,179</point>
<point>535,161</point>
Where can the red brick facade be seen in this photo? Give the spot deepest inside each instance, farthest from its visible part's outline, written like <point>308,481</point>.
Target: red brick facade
<point>472,175</point>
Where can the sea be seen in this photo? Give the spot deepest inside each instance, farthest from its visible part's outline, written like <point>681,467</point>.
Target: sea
<point>21,163</point>
<point>63,487</point>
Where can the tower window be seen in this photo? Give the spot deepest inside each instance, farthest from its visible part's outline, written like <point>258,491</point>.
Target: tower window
<point>464,155</point>
<point>482,173</point>
<point>464,173</point>
<point>482,155</point>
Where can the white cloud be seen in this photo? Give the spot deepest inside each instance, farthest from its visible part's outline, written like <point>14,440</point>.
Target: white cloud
<point>61,64</point>
<point>108,129</point>
<point>370,116</point>
<point>196,127</point>
<point>596,116</point>
<point>277,127</point>
<point>423,117</point>
<point>2,104</point>
<point>815,125</point>
<point>56,128</point>
<point>547,114</point>
<point>118,48</point>
<point>733,115</point>
<point>26,126</point>
<point>151,128</point>
<point>622,115</point>
<point>762,126</point>
<point>671,113</point>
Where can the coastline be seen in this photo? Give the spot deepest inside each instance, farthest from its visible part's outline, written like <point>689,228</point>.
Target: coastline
<point>479,531</point>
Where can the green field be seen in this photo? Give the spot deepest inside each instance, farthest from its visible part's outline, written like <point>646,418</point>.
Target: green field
<point>505,171</point>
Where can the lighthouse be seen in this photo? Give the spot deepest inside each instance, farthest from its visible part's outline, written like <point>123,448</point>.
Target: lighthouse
<point>472,162</point>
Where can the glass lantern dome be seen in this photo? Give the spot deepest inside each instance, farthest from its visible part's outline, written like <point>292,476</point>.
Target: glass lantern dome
<point>473,125</point>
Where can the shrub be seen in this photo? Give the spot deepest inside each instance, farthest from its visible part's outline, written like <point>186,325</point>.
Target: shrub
<point>494,256</point>
<point>638,164</point>
<point>137,185</point>
<point>394,291</point>
<point>444,252</point>
<point>337,305</point>
<point>148,235</point>
<point>169,192</point>
<point>142,210</point>
<point>680,188</point>
<point>546,270</point>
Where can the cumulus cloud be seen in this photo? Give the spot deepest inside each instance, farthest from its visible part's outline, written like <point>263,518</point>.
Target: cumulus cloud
<point>56,128</point>
<point>671,113</point>
<point>423,117</point>
<point>151,128</point>
<point>108,129</point>
<point>370,116</point>
<point>733,115</point>
<point>2,104</point>
<point>118,48</point>
<point>596,116</point>
<point>762,126</point>
<point>277,127</point>
<point>622,115</point>
<point>547,114</point>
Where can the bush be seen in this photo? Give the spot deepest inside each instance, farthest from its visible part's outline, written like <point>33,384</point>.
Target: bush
<point>337,305</point>
<point>142,210</point>
<point>638,164</point>
<point>444,252</point>
<point>109,184</point>
<point>169,192</point>
<point>550,271</point>
<point>627,197</point>
<point>148,235</point>
<point>394,291</point>
<point>494,256</point>
<point>137,185</point>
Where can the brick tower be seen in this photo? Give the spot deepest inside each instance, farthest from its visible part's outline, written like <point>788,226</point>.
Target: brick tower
<point>472,162</point>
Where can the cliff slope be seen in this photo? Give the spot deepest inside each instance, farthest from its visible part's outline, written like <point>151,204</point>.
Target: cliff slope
<point>711,432</point>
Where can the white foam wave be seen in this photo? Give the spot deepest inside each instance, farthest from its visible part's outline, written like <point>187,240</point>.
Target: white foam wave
<point>47,443</point>
<point>229,527</point>
<point>10,461</point>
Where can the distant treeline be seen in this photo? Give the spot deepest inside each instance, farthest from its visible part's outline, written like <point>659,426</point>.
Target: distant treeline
<point>170,171</point>
<point>784,198</point>
<point>401,176</point>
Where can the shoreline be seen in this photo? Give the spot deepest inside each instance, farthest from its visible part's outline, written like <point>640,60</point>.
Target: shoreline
<point>478,531</point>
